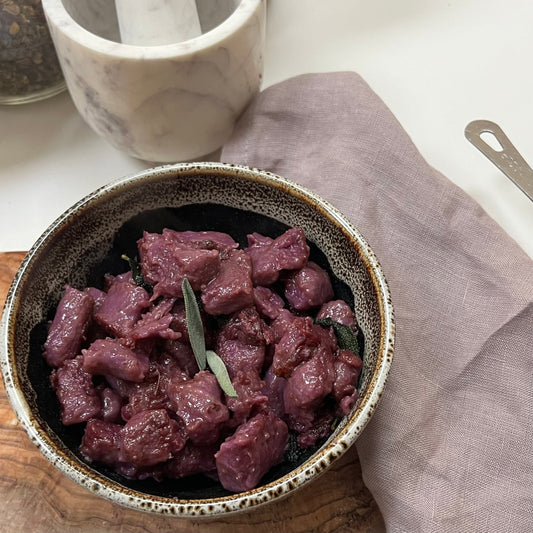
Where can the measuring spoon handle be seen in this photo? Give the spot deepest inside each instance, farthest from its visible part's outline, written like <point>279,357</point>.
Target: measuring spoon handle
<point>508,159</point>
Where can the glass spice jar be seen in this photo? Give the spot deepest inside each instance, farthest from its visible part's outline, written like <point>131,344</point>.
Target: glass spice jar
<point>29,69</point>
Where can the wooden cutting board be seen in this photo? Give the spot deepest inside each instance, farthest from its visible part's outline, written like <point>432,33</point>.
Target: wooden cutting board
<point>38,498</point>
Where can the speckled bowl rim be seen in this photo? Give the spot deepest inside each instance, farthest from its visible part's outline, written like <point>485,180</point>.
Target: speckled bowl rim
<point>58,16</point>
<point>335,447</point>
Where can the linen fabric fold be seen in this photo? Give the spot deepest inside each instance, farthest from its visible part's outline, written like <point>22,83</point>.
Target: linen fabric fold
<point>450,447</point>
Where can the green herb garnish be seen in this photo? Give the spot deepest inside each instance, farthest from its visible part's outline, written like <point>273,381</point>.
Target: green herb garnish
<point>194,324</point>
<point>221,372</point>
<point>136,273</point>
<point>195,329</point>
<point>345,336</point>
<point>335,423</point>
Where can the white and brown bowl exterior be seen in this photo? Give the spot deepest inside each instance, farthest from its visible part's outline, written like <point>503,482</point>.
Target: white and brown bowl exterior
<point>87,241</point>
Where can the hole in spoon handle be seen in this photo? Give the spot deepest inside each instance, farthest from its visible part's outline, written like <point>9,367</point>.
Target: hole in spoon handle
<point>508,159</point>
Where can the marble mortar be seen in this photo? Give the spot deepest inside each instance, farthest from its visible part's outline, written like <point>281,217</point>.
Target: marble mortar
<point>164,103</point>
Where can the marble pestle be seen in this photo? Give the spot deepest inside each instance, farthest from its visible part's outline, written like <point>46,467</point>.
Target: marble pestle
<point>156,22</point>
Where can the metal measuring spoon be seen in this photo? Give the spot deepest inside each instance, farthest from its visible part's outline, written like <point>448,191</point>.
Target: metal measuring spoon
<point>508,160</point>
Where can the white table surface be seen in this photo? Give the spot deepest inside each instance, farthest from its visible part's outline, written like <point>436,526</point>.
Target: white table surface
<point>437,64</point>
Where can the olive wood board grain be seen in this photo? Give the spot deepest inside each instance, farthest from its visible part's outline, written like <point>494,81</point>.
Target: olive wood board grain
<point>37,498</point>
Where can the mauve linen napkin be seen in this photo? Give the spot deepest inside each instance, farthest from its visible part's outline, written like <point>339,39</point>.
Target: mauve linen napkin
<point>450,447</point>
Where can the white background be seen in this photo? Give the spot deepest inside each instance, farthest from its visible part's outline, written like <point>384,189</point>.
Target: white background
<point>437,64</point>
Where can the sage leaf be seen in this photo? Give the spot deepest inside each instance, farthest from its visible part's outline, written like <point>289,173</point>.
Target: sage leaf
<point>218,368</point>
<point>335,423</point>
<point>195,327</point>
<point>136,273</point>
<point>345,336</point>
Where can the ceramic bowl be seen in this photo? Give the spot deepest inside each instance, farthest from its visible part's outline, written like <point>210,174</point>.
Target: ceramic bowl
<point>88,240</point>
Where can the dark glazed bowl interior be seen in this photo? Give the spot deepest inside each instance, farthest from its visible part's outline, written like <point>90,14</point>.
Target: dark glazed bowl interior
<point>88,241</point>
